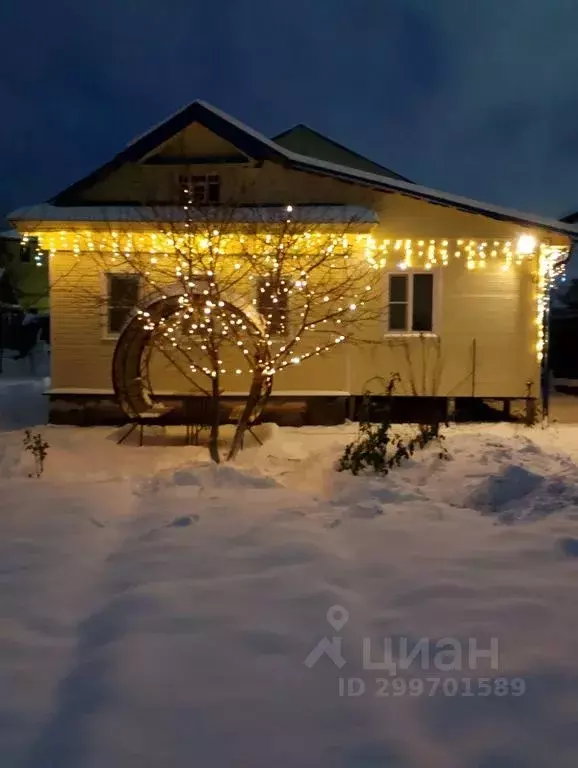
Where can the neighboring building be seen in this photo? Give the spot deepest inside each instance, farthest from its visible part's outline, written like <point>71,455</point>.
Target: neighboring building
<point>23,272</point>
<point>306,141</point>
<point>570,218</point>
<point>464,284</point>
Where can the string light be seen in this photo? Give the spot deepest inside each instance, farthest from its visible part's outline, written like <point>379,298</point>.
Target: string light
<point>157,246</point>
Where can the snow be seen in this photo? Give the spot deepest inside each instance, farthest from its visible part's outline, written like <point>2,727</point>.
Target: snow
<point>303,214</point>
<point>157,610</point>
<point>10,234</point>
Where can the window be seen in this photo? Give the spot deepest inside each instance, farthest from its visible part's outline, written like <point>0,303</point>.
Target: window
<point>122,297</point>
<point>410,306</point>
<point>28,249</point>
<point>26,252</point>
<point>272,306</point>
<point>200,190</point>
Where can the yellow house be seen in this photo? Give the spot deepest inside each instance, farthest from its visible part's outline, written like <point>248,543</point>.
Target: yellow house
<point>464,284</point>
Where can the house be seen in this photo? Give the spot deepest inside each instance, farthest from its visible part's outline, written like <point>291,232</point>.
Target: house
<point>24,272</point>
<point>464,284</point>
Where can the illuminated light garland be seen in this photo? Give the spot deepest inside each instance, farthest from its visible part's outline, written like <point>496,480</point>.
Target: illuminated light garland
<point>551,266</point>
<point>428,254</point>
<point>162,245</point>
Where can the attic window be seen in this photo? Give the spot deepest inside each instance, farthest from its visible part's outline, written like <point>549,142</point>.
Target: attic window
<point>201,189</point>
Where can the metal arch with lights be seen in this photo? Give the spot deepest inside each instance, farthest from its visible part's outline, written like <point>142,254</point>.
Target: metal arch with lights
<point>131,359</point>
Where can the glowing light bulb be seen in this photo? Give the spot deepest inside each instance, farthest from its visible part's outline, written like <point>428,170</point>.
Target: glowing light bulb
<point>526,244</point>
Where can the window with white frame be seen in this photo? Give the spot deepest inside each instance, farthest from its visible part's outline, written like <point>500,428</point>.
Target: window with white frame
<point>122,294</point>
<point>200,189</point>
<point>410,302</point>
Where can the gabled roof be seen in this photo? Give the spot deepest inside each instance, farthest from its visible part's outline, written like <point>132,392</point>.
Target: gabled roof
<point>254,145</point>
<point>257,146</point>
<point>307,141</point>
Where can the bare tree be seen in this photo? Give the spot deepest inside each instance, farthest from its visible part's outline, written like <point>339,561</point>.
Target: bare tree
<point>258,290</point>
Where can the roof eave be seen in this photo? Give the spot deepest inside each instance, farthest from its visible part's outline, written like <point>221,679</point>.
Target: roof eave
<point>409,189</point>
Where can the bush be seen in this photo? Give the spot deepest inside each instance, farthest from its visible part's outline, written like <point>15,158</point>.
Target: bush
<point>38,447</point>
<point>378,449</point>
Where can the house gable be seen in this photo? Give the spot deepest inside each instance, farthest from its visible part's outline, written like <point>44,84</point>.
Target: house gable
<point>202,132</point>
<point>196,144</point>
<point>306,141</point>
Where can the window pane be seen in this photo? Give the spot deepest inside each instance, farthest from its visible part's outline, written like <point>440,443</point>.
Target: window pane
<point>214,190</point>
<point>199,189</point>
<point>199,194</point>
<point>422,319</point>
<point>275,312</point>
<point>398,317</point>
<point>398,288</point>
<point>122,298</point>
<point>117,317</point>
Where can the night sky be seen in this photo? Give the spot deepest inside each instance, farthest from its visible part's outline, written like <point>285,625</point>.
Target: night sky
<point>475,97</point>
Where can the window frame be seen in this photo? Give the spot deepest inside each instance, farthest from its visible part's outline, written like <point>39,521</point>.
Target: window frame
<point>107,334</point>
<point>436,301</point>
<point>209,181</point>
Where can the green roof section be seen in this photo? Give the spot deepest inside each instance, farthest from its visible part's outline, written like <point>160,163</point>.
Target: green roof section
<point>311,143</point>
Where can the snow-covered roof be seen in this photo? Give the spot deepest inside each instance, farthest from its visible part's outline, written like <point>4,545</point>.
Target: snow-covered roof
<point>256,145</point>
<point>10,234</point>
<point>435,196</point>
<point>304,140</point>
<point>314,214</point>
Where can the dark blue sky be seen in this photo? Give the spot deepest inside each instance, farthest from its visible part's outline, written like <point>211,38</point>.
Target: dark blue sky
<point>476,97</point>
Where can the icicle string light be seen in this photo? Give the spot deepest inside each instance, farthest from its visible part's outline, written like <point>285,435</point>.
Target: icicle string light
<point>271,250</point>
<point>400,253</point>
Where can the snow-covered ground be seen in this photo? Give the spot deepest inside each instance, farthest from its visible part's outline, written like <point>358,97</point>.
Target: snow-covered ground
<point>157,611</point>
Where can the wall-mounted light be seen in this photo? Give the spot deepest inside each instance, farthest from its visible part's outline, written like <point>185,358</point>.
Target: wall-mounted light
<point>526,244</point>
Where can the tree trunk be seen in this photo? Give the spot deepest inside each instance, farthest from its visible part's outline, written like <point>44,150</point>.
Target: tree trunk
<point>251,403</point>
<point>215,421</point>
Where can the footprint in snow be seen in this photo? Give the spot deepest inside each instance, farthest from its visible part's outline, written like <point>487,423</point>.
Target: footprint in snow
<point>366,510</point>
<point>569,546</point>
<point>183,522</point>
<point>179,522</point>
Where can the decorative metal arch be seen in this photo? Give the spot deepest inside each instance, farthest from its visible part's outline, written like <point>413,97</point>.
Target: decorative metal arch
<point>132,353</point>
